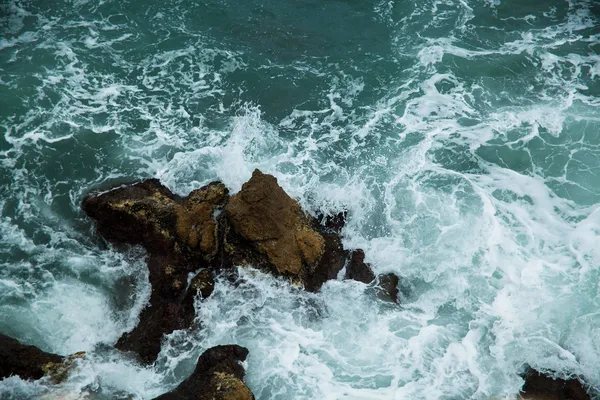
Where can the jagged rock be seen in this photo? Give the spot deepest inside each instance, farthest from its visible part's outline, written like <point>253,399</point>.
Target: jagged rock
<point>27,362</point>
<point>275,225</point>
<point>260,226</point>
<point>331,263</point>
<point>59,372</point>
<point>357,269</point>
<point>218,376</point>
<point>388,287</point>
<point>269,229</point>
<point>542,387</point>
<point>180,236</point>
<point>147,213</point>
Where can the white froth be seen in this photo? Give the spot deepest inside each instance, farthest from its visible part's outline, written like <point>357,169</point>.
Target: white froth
<point>499,260</point>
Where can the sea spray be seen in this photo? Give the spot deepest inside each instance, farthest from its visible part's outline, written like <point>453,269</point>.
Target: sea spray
<point>461,137</point>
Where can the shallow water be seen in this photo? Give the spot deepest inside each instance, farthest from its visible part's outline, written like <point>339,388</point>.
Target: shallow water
<point>463,138</point>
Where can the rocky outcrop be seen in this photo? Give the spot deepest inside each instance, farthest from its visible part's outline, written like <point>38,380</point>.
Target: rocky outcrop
<point>218,376</point>
<point>267,228</point>
<point>27,362</point>
<point>386,284</point>
<point>388,287</point>
<point>357,269</point>
<point>180,236</point>
<point>542,387</point>
<point>260,226</point>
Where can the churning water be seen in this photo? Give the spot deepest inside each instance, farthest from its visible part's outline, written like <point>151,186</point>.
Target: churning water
<point>462,136</point>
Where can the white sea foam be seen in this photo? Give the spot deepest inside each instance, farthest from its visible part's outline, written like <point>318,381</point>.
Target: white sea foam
<point>481,193</point>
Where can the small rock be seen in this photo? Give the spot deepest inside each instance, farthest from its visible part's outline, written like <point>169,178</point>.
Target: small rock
<point>357,269</point>
<point>388,287</point>
<point>218,376</point>
<point>542,387</point>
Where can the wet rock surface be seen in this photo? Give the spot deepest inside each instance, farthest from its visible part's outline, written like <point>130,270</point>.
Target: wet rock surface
<point>208,230</point>
<point>269,229</point>
<point>180,236</point>
<point>357,269</point>
<point>27,362</point>
<point>542,387</point>
<point>218,376</point>
<point>387,286</point>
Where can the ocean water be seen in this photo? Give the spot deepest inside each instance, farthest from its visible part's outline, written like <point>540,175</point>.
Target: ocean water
<point>462,137</point>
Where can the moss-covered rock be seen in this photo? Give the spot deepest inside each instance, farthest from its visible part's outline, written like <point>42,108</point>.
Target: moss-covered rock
<point>59,372</point>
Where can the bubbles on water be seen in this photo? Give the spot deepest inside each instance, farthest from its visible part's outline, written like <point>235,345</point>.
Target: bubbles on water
<point>466,159</point>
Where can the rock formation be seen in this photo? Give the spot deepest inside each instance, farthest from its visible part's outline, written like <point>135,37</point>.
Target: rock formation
<point>358,270</point>
<point>218,376</point>
<point>387,285</point>
<point>542,387</point>
<point>180,236</point>
<point>208,230</point>
<point>267,228</point>
<point>29,362</point>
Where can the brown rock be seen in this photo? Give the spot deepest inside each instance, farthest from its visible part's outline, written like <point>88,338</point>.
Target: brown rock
<point>27,362</point>
<point>147,213</point>
<point>180,236</point>
<point>261,226</point>
<point>269,229</point>
<point>218,376</point>
<point>541,387</point>
<point>59,372</point>
<point>333,260</point>
<point>357,269</point>
<point>388,287</point>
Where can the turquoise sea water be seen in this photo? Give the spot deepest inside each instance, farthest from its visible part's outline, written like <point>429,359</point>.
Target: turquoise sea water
<point>463,138</point>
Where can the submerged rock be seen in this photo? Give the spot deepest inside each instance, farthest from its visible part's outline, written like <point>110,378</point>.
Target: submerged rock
<point>358,270</point>
<point>542,387</point>
<point>218,376</point>
<point>27,362</point>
